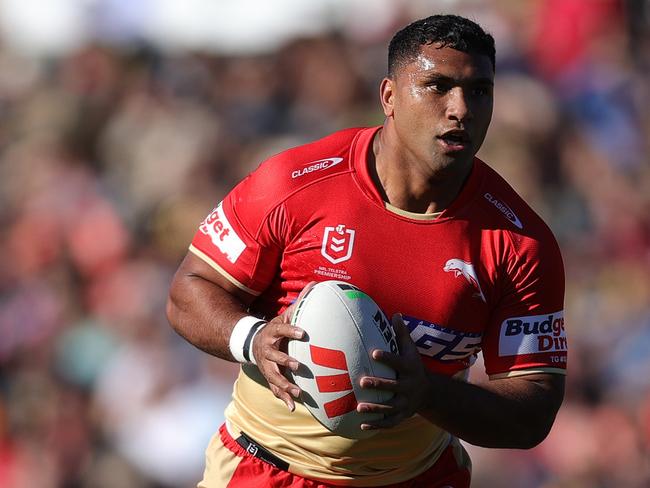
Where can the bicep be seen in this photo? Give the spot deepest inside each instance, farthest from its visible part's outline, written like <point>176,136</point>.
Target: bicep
<point>203,306</point>
<point>527,407</point>
<point>539,392</point>
<point>195,272</point>
<point>199,295</point>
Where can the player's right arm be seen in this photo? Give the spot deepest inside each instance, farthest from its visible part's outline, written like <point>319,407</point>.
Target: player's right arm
<point>203,307</point>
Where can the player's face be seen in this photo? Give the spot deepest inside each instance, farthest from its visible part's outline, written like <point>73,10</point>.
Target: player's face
<point>440,105</point>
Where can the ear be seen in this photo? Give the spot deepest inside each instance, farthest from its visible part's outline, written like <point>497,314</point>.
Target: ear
<point>386,94</point>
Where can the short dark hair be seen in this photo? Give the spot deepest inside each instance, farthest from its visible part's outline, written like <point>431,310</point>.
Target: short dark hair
<point>448,30</point>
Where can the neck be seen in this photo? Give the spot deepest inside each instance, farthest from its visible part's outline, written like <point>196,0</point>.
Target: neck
<point>413,185</point>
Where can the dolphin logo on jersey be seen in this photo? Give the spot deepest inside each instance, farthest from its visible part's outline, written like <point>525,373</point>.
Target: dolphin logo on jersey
<point>463,268</point>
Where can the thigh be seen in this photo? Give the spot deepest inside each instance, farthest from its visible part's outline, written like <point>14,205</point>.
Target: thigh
<point>220,464</point>
<point>229,465</point>
<point>452,470</point>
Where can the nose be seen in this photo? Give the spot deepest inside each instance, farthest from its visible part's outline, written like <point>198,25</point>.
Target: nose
<point>457,107</point>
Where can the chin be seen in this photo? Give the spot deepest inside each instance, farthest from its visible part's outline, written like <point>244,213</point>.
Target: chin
<point>452,163</point>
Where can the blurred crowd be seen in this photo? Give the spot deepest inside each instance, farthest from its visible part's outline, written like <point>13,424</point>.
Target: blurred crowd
<point>111,155</point>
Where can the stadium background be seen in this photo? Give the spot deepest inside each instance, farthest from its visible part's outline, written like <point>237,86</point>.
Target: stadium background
<point>123,122</point>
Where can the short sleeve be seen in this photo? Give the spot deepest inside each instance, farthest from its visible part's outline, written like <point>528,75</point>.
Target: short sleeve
<point>526,332</point>
<point>242,238</point>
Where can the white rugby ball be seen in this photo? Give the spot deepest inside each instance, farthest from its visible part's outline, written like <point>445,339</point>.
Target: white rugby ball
<point>343,326</point>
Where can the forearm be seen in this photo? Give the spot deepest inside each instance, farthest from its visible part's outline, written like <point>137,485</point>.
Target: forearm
<point>513,413</point>
<point>203,313</point>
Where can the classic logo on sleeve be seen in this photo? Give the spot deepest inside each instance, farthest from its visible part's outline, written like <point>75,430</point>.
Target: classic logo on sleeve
<point>222,235</point>
<point>504,209</point>
<point>533,334</point>
<point>320,165</point>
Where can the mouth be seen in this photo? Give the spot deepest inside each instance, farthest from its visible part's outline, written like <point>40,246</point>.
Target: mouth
<point>455,140</point>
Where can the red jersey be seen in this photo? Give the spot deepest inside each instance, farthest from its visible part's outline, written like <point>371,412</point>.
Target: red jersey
<point>485,274</point>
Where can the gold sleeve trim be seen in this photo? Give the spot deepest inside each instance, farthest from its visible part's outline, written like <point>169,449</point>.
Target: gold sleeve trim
<point>222,271</point>
<point>524,372</point>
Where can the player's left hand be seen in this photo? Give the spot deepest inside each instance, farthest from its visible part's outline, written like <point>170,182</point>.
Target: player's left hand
<point>409,387</point>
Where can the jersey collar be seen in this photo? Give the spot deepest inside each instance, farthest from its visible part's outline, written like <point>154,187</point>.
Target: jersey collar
<point>359,158</point>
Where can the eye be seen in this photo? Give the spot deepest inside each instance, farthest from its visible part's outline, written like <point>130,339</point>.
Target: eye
<point>482,90</point>
<point>439,86</point>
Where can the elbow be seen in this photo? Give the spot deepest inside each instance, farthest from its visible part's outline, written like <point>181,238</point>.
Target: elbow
<point>532,435</point>
<point>173,310</point>
<point>535,423</point>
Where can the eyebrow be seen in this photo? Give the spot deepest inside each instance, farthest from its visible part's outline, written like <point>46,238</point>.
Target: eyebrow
<point>458,81</point>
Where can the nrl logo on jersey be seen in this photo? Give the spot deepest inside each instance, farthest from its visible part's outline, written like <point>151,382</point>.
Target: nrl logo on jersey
<point>466,270</point>
<point>338,243</point>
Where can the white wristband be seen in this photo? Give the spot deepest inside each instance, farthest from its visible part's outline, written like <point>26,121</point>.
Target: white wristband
<point>241,339</point>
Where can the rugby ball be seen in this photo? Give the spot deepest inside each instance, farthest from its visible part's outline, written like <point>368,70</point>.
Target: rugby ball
<point>343,326</point>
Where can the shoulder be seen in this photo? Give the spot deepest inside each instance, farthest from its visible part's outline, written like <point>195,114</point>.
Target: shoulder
<point>502,212</point>
<point>504,209</point>
<point>294,169</point>
<point>262,196</point>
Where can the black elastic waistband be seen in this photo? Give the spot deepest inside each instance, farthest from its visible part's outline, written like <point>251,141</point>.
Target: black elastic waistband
<point>254,449</point>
